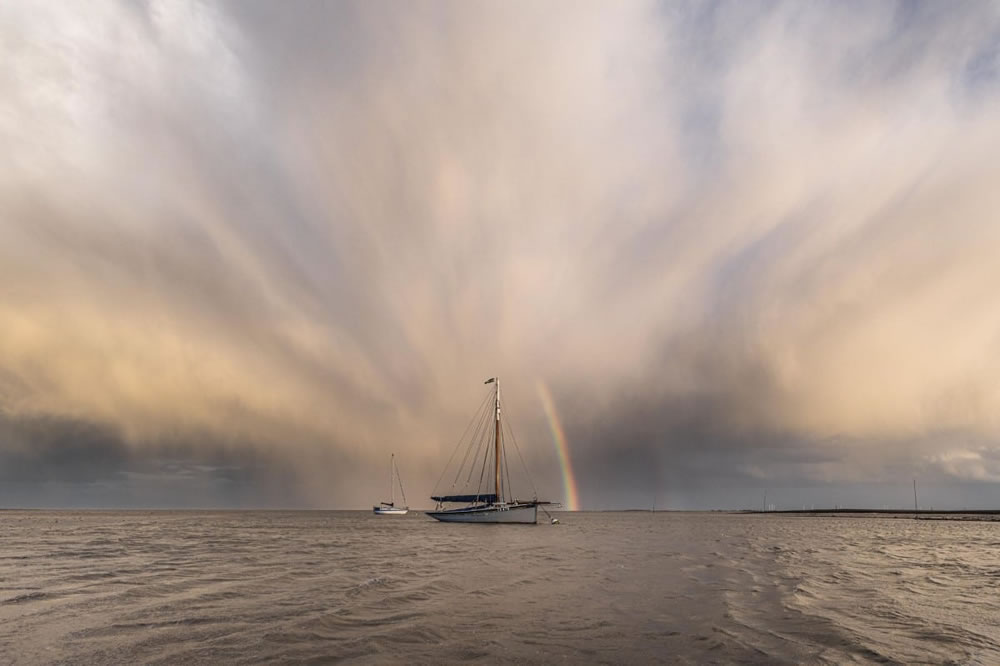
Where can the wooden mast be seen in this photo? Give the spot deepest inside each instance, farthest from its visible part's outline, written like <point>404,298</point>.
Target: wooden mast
<point>496,446</point>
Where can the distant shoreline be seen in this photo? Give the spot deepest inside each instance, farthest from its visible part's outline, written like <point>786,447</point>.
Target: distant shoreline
<point>993,512</point>
<point>919,514</point>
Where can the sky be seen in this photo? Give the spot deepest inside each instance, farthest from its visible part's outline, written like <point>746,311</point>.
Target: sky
<point>713,250</point>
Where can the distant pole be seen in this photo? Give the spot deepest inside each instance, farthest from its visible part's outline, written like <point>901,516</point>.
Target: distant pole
<point>764,508</point>
<point>914,494</point>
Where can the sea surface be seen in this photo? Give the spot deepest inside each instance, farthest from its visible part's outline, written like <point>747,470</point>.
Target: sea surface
<point>633,587</point>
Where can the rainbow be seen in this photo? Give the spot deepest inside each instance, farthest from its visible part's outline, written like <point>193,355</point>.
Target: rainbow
<point>572,500</point>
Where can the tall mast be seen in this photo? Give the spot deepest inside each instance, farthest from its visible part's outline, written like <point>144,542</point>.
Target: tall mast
<point>496,446</point>
<point>392,465</point>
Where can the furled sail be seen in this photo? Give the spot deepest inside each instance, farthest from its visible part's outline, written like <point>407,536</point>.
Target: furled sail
<point>490,498</point>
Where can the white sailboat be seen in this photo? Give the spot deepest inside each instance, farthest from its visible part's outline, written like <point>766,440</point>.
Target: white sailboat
<point>484,506</point>
<point>389,508</point>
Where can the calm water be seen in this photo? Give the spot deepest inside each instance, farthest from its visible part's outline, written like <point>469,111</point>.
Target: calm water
<point>127,587</point>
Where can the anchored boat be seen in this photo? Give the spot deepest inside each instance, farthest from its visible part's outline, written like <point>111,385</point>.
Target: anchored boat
<point>389,508</point>
<point>495,504</point>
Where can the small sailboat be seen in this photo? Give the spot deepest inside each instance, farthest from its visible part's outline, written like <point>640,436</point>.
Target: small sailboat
<point>389,508</point>
<point>487,505</point>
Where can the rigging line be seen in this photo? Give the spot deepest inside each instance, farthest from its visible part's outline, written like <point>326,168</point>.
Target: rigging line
<point>476,441</point>
<point>400,479</point>
<point>527,474</point>
<point>465,457</point>
<point>455,450</point>
<point>503,448</point>
<point>483,471</point>
<point>519,457</point>
<point>505,426</point>
<point>506,469</point>
<point>474,444</point>
<point>481,436</point>
<point>510,431</point>
<point>481,413</point>
<point>472,449</point>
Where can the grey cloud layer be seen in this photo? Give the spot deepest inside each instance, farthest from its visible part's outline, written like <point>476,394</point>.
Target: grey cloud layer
<point>740,241</point>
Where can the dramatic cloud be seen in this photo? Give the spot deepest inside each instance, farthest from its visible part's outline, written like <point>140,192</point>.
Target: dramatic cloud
<point>258,246</point>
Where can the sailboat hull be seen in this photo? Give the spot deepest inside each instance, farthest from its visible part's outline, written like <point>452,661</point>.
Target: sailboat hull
<point>523,514</point>
<point>384,511</point>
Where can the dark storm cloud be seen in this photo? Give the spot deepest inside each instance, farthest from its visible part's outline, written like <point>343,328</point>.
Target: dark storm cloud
<point>45,448</point>
<point>742,242</point>
<point>52,461</point>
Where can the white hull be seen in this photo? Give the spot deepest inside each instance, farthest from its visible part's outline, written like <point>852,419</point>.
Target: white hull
<point>524,514</point>
<point>382,511</point>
